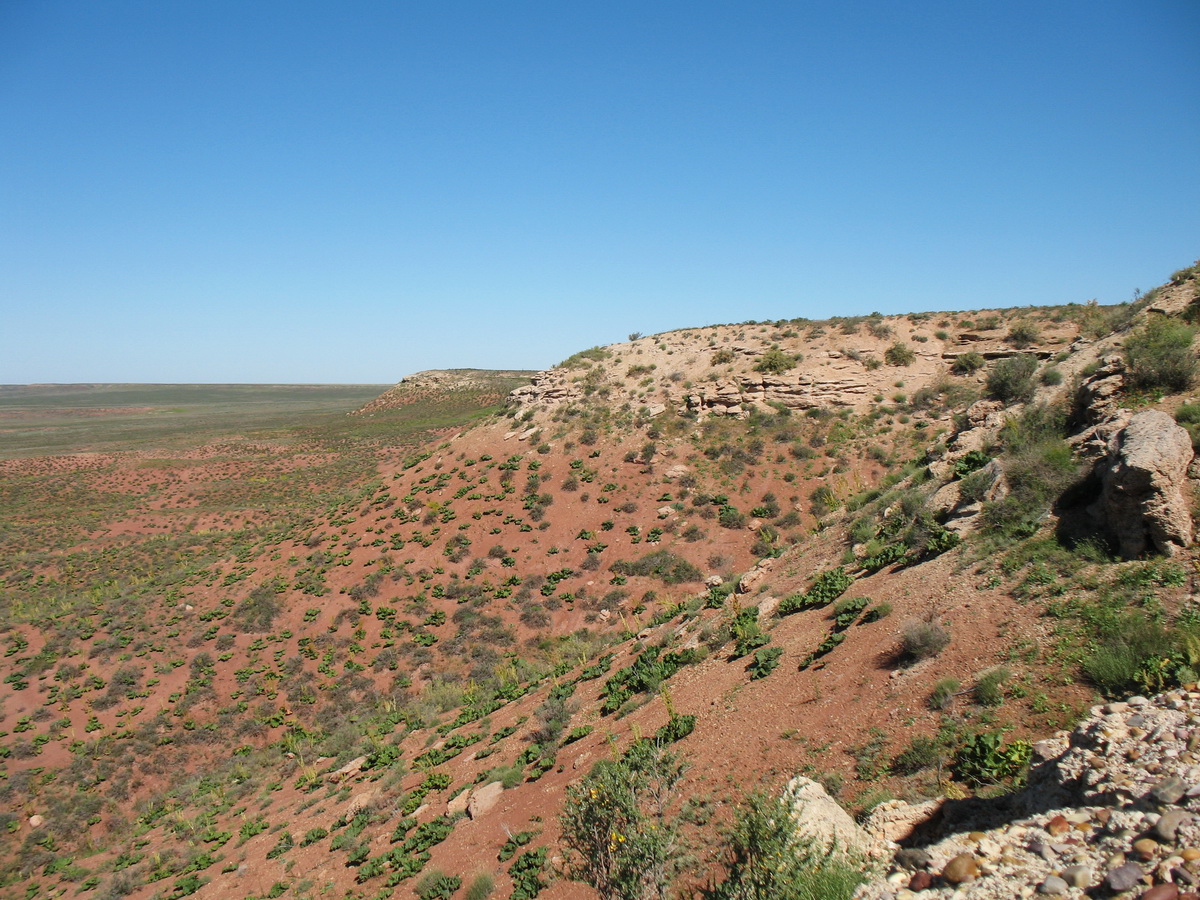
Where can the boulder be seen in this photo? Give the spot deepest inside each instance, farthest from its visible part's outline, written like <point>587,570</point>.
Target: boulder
<point>895,820</point>
<point>349,769</point>
<point>458,804</point>
<point>819,818</point>
<point>484,798</point>
<point>1144,479</point>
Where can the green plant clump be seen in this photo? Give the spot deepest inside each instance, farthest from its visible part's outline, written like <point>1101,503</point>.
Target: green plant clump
<point>1159,357</point>
<point>766,858</point>
<point>984,759</point>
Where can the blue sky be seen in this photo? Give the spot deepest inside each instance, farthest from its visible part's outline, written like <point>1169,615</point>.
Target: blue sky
<point>214,191</point>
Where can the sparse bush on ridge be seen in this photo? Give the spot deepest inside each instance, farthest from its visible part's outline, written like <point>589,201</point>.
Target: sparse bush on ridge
<point>899,354</point>
<point>966,363</point>
<point>1159,356</point>
<point>776,362</point>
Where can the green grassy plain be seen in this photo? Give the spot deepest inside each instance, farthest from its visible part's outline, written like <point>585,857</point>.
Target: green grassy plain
<point>42,420</point>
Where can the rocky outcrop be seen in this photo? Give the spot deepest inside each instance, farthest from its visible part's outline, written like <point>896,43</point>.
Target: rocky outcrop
<point>1098,398</point>
<point>1144,500</point>
<point>800,390</point>
<point>548,388</point>
<point>1109,811</point>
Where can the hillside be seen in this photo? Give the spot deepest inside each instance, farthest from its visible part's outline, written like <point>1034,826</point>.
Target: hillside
<point>332,662</point>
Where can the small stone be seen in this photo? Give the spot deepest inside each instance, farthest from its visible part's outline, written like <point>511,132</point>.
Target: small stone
<point>1124,878</point>
<point>975,837</point>
<point>1058,825</point>
<point>963,867</point>
<point>1145,848</point>
<point>1078,876</point>
<point>1053,885</point>
<point>1169,790</point>
<point>913,858</point>
<point>1162,892</point>
<point>36,821</point>
<point>1169,823</point>
<point>921,881</point>
<point>1191,853</point>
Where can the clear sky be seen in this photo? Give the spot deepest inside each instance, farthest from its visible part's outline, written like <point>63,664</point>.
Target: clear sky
<point>351,191</point>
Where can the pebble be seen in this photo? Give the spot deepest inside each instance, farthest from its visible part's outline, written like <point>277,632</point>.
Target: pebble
<point>963,867</point>
<point>1145,848</point>
<point>912,858</point>
<point>1124,878</point>
<point>1162,892</point>
<point>1170,790</point>
<point>1168,824</point>
<point>1078,876</point>
<point>1053,885</point>
<point>921,881</point>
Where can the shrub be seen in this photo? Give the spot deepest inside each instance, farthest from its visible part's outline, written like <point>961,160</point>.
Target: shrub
<point>775,361</point>
<point>899,354</point>
<point>983,758</point>
<point>989,690</point>
<point>766,661</point>
<point>1051,376</point>
<point>943,693</point>
<point>922,640</point>
<point>1011,379</point>
<point>1160,357</point>
<point>617,830</point>
<point>966,363</point>
<point>1022,334</point>
<point>1038,464</point>
<point>1135,655</point>
<point>436,885</point>
<point>766,858</point>
<point>662,564</point>
<point>922,753</point>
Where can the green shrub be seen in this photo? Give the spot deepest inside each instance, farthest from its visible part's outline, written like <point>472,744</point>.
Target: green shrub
<point>875,613</point>
<point>1159,356</point>
<point>1188,414</point>
<point>966,363</point>
<point>766,661</point>
<point>922,753</point>
<point>775,362</point>
<point>989,690</point>
<point>971,462</point>
<point>1011,379</point>
<point>765,858</point>
<point>1136,655</point>
<point>617,829</point>
<point>436,885</point>
<point>1022,334</point>
<point>983,758</point>
<point>899,354</point>
<point>526,874</point>
<point>662,564</point>
<point>1051,376</point>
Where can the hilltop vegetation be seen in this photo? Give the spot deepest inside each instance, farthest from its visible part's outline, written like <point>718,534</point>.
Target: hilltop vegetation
<point>388,649</point>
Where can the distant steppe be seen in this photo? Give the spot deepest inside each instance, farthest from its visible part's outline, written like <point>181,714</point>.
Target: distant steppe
<point>44,419</point>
